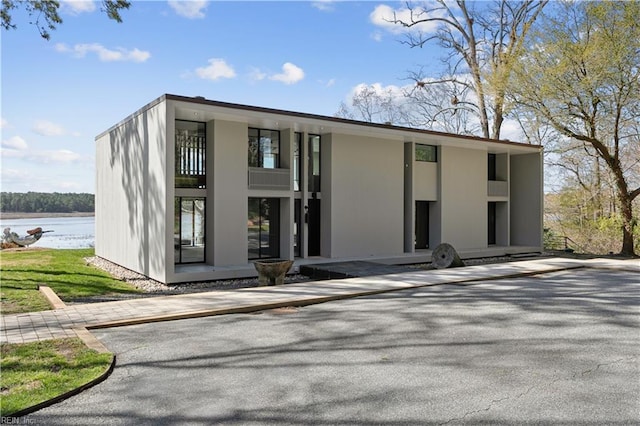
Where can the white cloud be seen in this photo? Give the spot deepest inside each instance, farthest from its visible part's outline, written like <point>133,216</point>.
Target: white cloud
<point>380,90</point>
<point>104,54</point>
<point>4,124</point>
<point>257,75</point>
<point>75,7</point>
<point>511,130</point>
<point>47,128</point>
<point>291,74</point>
<point>330,82</point>
<point>192,9</point>
<point>58,156</point>
<point>216,70</point>
<point>377,36</point>
<point>15,143</point>
<point>382,16</point>
<point>324,5</point>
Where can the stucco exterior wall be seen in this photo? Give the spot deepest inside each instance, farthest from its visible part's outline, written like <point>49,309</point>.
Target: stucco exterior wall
<point>526,199</point>
<point>367,195</point>
<point>425,184</point>
<point>463,197</point>
<point>227,199</point>
<point>131,183</point>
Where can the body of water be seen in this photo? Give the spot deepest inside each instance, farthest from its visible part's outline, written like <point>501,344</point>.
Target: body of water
<point>68,232</point>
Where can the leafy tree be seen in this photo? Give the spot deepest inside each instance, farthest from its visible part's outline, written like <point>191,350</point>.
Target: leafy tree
<point>483,47</point>
<point>582,78</point>
<point>45,13</point>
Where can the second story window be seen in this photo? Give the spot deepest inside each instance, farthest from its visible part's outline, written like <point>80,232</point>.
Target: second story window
<point>314,163</point>
<point>428,153</point>
<point>190,154</point>
<point>492,167</point>
<point>297,157</point>
<point>264,148</point>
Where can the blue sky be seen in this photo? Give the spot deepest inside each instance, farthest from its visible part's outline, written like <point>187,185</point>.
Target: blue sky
<point>57,95</point>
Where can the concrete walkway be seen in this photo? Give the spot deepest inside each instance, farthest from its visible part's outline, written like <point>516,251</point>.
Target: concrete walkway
<point>75,320</point>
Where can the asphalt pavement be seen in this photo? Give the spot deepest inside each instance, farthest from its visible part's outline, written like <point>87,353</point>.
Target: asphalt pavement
<point>557,348</point>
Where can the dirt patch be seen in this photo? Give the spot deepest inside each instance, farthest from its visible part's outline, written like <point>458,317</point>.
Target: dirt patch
<point>19,249</point>
<point>66,349</point>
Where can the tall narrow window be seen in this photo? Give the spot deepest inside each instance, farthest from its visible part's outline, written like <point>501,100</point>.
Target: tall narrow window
<point>297,154</point>
<point>297,226</point>
<point>491,223</point>
<point>491,167</point>
<point>314,163</point>
<point>422,225</point>
<point>264,228</point>
<point>189,226</point>
<point>264,148</point>
<point>190,154</point>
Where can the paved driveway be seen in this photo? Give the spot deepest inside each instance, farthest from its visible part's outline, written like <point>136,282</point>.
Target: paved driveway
<point>560,348</point>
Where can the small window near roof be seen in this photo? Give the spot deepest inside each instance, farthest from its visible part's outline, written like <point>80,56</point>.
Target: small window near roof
<point>427,153</point>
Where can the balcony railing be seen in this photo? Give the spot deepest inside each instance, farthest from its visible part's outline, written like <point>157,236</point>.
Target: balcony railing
<point>278,179</point>
<point>497,188</point>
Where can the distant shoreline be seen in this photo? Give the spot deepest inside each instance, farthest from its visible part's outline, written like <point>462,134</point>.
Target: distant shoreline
<point>15,215</point>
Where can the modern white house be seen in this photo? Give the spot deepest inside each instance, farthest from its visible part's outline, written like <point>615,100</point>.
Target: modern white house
<point>190,189</point>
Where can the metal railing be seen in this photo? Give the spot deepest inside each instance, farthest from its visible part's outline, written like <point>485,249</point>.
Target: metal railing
<point>279,179</point>
<point>562,243</point>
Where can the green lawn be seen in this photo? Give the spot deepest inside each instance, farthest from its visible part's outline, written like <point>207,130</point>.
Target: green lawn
<point>36,372</point>
<point>65,271</point>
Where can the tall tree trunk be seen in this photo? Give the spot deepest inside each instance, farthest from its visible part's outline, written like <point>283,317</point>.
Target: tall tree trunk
<point>627,226</point>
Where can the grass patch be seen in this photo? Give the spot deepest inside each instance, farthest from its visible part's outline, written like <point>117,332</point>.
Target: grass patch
<point>65,271</point>
<point>36,372</point>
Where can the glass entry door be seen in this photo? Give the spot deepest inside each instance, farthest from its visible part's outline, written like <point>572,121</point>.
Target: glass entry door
<point>264,228</point>
<point>189,226</point>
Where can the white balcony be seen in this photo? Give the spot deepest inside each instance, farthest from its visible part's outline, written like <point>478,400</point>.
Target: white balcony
<point>497,188</point>
<point>278,179</point>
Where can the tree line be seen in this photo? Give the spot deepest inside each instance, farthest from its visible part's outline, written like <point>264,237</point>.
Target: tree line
<point>46,202</point>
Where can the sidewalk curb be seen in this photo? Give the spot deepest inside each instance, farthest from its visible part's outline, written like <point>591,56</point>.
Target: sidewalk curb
<point>304,302</point>
<point>52,297</point>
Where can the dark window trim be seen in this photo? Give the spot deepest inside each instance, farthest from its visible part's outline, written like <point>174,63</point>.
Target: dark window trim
<point>204,226</point>
<point>311,184</point>
<point>199,177</point>
<point>260,231</point>
<point>435,152</point>
<point>260,153</point>
<point>492,166</point>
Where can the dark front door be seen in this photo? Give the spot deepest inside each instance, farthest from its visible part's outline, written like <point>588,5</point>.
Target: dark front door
<point>422,224</point>
<point>313,242</point>
<point>491,225</point>
<point>297,212</point>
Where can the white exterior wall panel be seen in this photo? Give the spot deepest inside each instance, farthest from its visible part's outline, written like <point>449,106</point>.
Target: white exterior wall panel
<point>463,197</point>
<point>228,202</point>
<point>131,196</point>
<point>526,200</point>
<point>367,196</point>
<point>425,186</point>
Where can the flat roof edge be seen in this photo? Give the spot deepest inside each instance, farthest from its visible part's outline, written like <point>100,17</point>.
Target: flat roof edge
<point>230,105</point>
<point>242,107</point>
